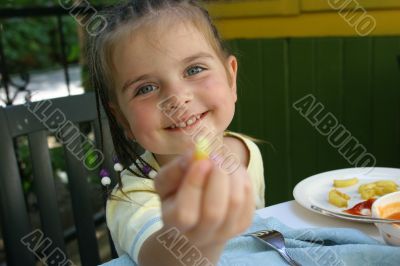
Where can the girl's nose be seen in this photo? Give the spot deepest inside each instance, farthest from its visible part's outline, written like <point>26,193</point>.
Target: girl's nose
<point>176,101</point>
<point>175,96</point>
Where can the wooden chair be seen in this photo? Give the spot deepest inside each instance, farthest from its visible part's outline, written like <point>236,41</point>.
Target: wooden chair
<point>62,117</point>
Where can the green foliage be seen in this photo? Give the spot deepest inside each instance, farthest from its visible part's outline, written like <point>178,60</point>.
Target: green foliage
<point>25,162</point>
<point>34,43</point>
<point>25,3</point>
<point>58,163</point>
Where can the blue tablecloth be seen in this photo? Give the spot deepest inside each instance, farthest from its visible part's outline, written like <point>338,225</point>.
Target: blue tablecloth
<point>314,246</point>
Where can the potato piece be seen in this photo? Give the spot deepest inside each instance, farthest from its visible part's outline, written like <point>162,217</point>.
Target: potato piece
<point>345,182</point>
<point>388,190</point>
<point>338,198</point>
<point>386,183</point>
<point>383,190</point>
<point>377,188</point>
<point>344,195</point>
<point>366,186</point>
<point>367,193</point>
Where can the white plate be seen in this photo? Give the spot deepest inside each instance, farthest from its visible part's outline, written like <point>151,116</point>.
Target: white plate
<point>314,190</point>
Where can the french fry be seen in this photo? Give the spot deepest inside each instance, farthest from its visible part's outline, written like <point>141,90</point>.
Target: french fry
<point>337,198</point>
<point>345,182</point>
<point>366,187</point>
<point>367,193</point>
<point>377,188</point>
<point>383,190</point>
<point>386,183</point>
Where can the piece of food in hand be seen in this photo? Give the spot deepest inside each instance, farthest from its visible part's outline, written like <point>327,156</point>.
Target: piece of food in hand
<point>337,198</point>
<point>201,152</point>
<point>345,182</point>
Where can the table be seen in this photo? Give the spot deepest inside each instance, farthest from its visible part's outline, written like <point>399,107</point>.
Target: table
<point>296,216</point>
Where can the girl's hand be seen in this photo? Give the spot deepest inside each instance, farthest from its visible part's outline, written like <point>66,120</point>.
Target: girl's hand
<point>204,203</point>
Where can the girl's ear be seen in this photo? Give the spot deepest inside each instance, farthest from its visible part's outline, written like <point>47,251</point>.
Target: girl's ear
<point>121,120</point>
<point>232,71</point>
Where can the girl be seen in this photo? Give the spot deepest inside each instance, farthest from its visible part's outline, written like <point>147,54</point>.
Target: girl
<point>165,81</point>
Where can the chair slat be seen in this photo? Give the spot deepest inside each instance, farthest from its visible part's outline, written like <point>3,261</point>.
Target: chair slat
<point>45,189</point>
<point>83,214</point>
<point>25,120</point>
<point>14,217</point>
<point>33,116</point>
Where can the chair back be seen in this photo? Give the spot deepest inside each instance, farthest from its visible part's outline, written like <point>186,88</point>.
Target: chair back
<point>61,117</point>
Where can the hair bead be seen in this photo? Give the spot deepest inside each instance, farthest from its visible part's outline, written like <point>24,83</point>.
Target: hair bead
<point>105,177</point>
<point>105,181</point>
<point>118,167</point>
<point>152,174</point>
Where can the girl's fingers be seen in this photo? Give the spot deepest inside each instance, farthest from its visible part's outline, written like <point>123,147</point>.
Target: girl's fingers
<point>188,201</point>
<point>247,209</point>
<point>203,202</point>
<point>214,206</point>
<point>236,207</point>
<point>170,176</point>
<point>216,198</point>
<point>250,205</point>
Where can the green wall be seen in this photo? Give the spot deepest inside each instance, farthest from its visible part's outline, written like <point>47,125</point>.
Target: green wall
<point>356,79</point>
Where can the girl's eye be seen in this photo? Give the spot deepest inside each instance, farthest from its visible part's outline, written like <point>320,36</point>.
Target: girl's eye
<point>194,70</point>
<point>145,89</point>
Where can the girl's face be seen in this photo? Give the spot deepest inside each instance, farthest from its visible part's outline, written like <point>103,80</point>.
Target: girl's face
<point>168,77</point>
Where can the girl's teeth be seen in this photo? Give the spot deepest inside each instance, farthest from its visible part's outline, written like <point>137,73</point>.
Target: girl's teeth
<point>187,123</point>
<point>190,121</point>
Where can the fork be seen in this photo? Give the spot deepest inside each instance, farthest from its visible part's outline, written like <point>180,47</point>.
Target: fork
<point>275,240</point>
<point>364,219</point>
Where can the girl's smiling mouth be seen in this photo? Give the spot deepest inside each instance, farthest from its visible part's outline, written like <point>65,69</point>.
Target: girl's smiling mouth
<point>191,122</point>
